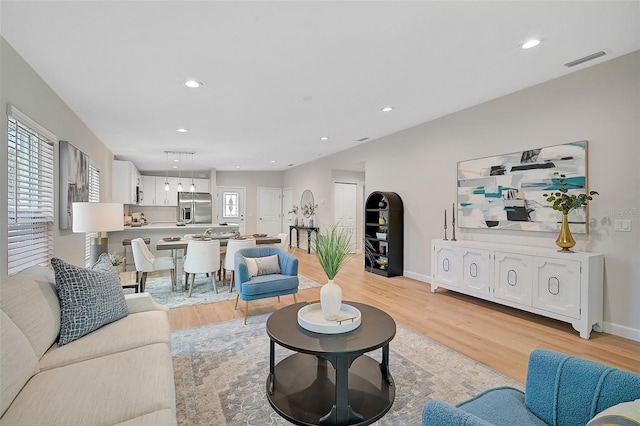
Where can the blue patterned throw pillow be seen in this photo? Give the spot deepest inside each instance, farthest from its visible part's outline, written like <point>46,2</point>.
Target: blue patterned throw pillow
<point>89,297</point>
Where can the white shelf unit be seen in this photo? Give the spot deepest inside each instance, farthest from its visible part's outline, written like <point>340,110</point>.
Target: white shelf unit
<point>564,286</point>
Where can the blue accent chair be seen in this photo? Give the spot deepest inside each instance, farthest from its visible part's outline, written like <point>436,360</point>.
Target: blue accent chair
<point>561,390</point>
<point>263,286</point>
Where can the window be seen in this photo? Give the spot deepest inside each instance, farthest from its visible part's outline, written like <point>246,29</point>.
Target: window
<point>30,196</point>
<point>94,197</point>
<point>230,206</point>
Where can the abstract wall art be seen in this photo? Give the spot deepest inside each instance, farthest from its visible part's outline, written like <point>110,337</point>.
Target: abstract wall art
<point>506,191</point>
<point>74,181</point>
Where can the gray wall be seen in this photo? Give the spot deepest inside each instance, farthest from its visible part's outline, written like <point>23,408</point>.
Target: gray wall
<point>24,89</point>
<point>600,103</point>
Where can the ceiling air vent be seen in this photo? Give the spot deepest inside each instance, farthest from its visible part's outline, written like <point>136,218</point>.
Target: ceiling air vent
<point>363,139</point>
<point>585,59</point>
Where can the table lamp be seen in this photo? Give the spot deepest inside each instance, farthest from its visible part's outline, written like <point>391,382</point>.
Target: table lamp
<point>98,217</point>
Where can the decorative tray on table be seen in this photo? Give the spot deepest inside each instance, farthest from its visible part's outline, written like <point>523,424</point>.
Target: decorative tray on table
<point>259,235</point>
<point>310,318</point>
<point>171,239</point>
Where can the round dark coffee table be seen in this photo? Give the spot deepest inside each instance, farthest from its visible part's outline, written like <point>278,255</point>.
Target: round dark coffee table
<point>329,380</point>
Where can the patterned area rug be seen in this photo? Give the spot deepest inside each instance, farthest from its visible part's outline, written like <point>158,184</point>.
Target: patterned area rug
<point>221,371</point>
<point>160,289</point>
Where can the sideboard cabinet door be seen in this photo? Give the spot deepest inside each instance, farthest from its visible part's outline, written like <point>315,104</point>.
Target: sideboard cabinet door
<point>513,278</point>
<point>447,266</point>
<point>557,286</point>
<point>476,271</point>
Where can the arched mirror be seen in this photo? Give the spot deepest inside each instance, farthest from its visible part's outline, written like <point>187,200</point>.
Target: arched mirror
<point>306,203</point>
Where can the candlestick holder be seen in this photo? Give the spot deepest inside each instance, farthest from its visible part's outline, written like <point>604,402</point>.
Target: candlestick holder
<point>445,233</point>
<point>453,230</point>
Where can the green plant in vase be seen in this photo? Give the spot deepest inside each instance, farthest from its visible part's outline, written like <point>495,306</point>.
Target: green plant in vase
<point>116,260</point>
<point>565,203</point>
<point>332,248</point>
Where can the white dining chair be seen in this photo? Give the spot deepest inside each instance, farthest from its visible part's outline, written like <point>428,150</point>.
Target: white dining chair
<point>203,257</point>
<point>284,241</point>
<point>233,246</point>
<point>146,262</point>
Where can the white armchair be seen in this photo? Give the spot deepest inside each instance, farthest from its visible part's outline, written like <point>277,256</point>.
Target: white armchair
<point>146,262</point>
<point>203,257</point>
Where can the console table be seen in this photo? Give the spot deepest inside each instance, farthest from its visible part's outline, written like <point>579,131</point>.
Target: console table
<point>329,381</point>
<point>303,228</point>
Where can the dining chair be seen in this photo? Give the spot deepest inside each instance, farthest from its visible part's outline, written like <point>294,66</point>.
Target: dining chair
<point>203,257</point>
<point>284,241</point>
<point>146,262</point>
<point>233,246</point>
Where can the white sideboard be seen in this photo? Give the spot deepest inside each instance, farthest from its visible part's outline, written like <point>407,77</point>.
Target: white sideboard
<point>564,286</point>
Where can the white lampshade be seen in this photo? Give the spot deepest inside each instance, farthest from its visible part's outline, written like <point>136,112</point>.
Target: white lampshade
<point>97,217</point>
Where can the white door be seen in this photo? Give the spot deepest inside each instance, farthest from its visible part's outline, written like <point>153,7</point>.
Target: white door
<point>231,206</point>
<point>287,205</point>
<point>269,210</point>
<point>345,209</point>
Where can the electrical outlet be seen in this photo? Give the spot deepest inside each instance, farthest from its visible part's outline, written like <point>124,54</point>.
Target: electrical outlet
<point>622,225</point>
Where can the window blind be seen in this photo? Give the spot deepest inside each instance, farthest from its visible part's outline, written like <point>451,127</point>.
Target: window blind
<point>30,204</point>
<point>94,196</point>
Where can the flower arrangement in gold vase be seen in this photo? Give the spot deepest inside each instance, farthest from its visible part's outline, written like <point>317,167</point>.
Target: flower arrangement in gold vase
<point>565,203</point>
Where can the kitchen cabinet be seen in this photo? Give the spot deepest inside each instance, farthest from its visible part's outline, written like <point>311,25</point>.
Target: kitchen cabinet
<point>170,197</point>
<point>149,190</point>
<point>384,234</point>
<point>564,286</point>
<point>125,182</point>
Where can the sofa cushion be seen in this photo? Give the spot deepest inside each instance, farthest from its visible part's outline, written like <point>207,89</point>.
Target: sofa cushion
<point>88,299</point>
<point>501,406</point>
<point>17,361</point>
<point>277,283</point>
<point>30,300</point>
<point>131,332</point>
<point>624,414</point>
<point>262,265</point>
<point>102,391</point>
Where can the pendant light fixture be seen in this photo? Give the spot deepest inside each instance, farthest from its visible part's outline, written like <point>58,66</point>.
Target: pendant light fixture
<point>193,185</point>
<point>180,173</point>
<point>166,181</point>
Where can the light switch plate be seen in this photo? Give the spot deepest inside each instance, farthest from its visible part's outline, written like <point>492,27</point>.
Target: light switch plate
<point>622,225</point>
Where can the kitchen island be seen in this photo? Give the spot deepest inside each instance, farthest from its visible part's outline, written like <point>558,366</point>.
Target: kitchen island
<point>156,231</point>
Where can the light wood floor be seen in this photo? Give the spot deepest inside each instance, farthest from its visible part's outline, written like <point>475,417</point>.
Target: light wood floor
<point>494,335</point>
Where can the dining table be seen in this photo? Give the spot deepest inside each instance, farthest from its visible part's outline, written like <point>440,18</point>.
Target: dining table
<point>179,244</point>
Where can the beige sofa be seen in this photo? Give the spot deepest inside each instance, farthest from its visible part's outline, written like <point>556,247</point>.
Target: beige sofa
<point>121,373</point>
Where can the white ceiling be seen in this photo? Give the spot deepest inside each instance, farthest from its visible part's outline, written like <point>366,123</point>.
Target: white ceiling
<point>279,75</point>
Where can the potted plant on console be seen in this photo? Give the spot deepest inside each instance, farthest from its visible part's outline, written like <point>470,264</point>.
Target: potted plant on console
<point>332,248</point>
<point>565,203</point>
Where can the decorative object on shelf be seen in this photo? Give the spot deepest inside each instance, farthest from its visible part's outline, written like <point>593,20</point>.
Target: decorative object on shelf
<point>382,233</point>
<point>382,204</point>
<point>332,248</point>
<point>506,191</point>
<point>382,221</point>
<point>445,225</point>
<point>565,203</point>
<point>453,223</point>
<point>383,249</point>
<point>370,252</point>
<point>294,210</point>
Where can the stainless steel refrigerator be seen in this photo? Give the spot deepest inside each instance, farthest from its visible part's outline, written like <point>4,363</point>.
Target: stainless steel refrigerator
<point>194,207</point>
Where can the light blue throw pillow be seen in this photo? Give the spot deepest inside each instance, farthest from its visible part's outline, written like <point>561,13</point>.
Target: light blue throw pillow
<point>89,297</point>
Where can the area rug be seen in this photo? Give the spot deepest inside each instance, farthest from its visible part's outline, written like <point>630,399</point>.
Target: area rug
<point>221,371</point>
<point>160,289</point>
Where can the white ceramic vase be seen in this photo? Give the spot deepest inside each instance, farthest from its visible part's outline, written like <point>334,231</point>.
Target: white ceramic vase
<point>330,300</point>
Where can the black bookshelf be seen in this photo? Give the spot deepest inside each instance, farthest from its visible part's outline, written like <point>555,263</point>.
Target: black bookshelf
<point>384,251</point>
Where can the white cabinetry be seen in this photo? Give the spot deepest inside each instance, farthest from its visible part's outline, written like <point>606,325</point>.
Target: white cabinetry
<point>124,183</point>
<point>149,190</point>
<point>564,286</point>
<point>170,197</point>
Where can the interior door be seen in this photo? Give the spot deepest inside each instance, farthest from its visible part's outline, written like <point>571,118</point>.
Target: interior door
<point>345,209</point>
<point>231,206</point>
<point>269,210</point>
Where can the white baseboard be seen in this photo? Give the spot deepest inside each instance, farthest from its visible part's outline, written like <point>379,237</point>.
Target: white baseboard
<point>418,277</point>
<point>621,330</point>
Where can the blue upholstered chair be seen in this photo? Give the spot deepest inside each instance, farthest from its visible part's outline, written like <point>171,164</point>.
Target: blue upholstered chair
<point>268,284</point>
<point>561,390</point>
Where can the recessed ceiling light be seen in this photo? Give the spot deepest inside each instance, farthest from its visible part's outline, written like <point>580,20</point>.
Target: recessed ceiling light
<point>175,160</point>
<point>175,167</point>
<point>182,130</point>
<point>273,161</point>
<point>324,138</point>
<point>237,167</point>
<point>387,109</point>
<point>530,44</point>
<point>193,84</point>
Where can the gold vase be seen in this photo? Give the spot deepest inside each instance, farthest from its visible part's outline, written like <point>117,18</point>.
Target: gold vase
<point>565,240</point>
